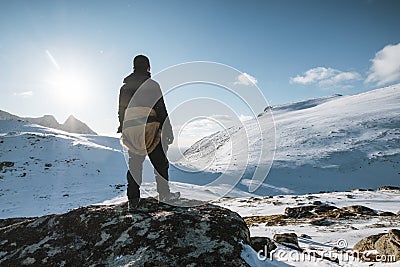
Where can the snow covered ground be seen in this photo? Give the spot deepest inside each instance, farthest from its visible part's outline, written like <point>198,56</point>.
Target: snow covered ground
<point>319,237</point>
<point>338,143</point>
<point>53,171</point>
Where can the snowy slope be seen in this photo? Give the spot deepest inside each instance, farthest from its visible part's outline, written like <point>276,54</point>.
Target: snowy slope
<point>324,144</point>
<point>52,171</point>
<point>43,170</point>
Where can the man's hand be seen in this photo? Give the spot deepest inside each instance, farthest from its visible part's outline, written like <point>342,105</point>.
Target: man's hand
<point>119,129</point>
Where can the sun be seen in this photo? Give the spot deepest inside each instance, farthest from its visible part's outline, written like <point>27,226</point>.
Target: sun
<point>70,87</point>
<point>69,80</point>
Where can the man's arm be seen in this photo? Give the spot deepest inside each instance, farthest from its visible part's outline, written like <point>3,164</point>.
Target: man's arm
<point>162,116</point>
<point>124,99</point>
<point>165,124</point>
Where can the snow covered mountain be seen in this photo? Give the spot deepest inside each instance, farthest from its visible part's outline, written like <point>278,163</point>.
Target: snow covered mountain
<point>336,143</point>
<point>71,125</point>
<point>324,144</point>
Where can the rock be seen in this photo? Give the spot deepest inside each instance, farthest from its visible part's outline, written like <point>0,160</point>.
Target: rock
<point>386,213</point>
<point>351,211</point>
<point>262,243</point>
<point>360,210</point>
<point>7,164</point>
<point>387,245</point>
<point>323,209</point>
<point>321,222</point>
<point>269,220</point>
<point>388,187</point>
<point>287,239</point>
<point>299,212</point>
<point>305,236</point>
<point>367,243</point>
<point>155,235</point>
<point>308,211</point>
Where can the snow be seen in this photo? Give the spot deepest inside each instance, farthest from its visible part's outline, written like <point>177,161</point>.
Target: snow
<point>320,238</point>
<point>55,171</point>
<point>326,144</point>
<point>336,144</point>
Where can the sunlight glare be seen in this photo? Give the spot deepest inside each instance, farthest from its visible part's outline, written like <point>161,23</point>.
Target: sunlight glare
<point>70,87</point>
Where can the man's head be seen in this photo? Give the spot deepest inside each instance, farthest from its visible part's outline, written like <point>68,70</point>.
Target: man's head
<point>141,63</point>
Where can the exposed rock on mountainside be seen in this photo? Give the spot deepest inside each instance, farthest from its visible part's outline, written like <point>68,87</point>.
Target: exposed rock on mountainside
<point>156,235</point>
<point>71,125</point>
<point>321,215</point>
<point>386,244</point>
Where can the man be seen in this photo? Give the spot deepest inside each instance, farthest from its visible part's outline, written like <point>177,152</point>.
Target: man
<point>145,129</point>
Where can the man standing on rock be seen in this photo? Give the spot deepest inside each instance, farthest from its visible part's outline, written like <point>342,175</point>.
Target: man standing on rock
<point>146,130</point>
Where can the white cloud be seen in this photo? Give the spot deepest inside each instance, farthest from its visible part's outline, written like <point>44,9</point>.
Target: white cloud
<point>245,79</point>
<point>326,77</point>
<point>189,133</point>
<point>243,118</point>
<point>385,66</point>
<point>24,94</point>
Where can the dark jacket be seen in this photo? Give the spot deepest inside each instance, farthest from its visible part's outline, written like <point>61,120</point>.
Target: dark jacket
<point>149,95</point>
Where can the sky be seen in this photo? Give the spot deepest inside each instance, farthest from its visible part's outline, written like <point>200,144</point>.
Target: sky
<point>70,57</point>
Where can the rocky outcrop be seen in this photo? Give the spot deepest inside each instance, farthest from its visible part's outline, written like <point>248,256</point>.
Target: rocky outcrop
<point>386,244</point>
<point>262,244</point>
<point>155,235</point>
<point>287,239</point>
<point>319,215</point>
<point>71,125</point>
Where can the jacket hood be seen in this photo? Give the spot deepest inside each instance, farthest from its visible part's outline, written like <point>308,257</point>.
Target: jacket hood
<point>137,75</point>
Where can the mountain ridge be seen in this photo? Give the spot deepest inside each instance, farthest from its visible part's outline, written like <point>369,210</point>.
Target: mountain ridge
<point>333,143</point>
<point>71,124</point>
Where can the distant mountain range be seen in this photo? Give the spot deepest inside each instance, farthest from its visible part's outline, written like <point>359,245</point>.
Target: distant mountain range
<point>71,125</point>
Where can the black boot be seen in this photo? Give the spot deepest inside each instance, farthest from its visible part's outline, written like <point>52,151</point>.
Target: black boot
<point>133,204</point>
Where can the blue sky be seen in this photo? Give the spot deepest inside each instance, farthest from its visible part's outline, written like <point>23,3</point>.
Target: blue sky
<point>69,57</point>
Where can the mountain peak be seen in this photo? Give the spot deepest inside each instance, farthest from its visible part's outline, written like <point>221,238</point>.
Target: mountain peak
<point>49,118</point>
<point>71,119</point>
<point>73,125</point>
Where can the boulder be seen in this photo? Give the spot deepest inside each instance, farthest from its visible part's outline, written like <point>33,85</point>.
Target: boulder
<point>352,211</point>
<point>388,187</point>
<point>389,244</point>
<point>299,212</point>
<point>155,235</point>
<point>262,243</point>
<point>288,239</point>
<point>367,243</point>
<point>386,244</point>
<point>360,210</point>
<point>321,222</point>
<point>386,213</point>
